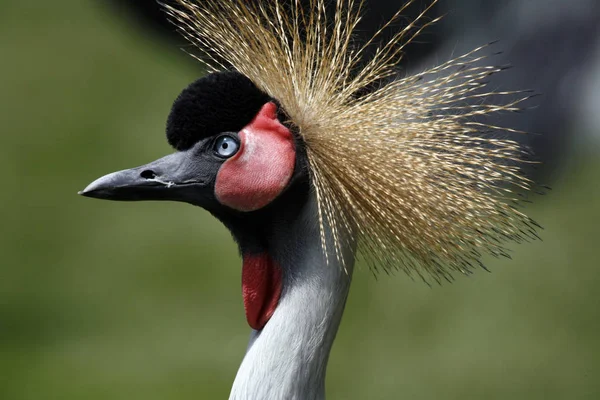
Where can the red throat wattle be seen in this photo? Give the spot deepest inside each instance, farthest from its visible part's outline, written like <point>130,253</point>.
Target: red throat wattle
<point>261,287</point>
<point>263,165</point>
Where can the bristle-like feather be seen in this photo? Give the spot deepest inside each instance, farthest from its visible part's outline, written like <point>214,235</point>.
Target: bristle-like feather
<point>406,170</point>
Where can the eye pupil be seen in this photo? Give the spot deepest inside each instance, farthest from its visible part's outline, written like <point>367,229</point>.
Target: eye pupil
<point>225,145</point>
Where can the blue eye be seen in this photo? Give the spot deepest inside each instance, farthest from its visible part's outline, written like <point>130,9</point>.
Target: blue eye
<point>226,146</point>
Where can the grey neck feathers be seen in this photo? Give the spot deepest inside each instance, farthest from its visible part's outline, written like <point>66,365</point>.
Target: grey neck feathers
<point>288,358</point>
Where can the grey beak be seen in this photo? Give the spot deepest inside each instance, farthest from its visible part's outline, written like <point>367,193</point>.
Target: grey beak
<point>174,177</point>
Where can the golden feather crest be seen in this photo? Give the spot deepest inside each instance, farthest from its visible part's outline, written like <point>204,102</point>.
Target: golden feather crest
<point>405,170</point>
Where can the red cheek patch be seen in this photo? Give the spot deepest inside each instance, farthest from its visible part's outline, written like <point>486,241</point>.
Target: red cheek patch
<point>261,168</point>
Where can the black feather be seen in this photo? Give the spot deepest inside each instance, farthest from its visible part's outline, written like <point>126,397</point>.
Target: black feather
<point>218,102</point>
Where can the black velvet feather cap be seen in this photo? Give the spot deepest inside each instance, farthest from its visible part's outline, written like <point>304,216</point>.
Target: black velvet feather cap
<point>218,102</point>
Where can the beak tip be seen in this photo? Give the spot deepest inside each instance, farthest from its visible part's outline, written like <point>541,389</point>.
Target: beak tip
<point>95,188</point>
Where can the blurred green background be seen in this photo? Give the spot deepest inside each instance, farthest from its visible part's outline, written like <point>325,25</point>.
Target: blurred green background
<point>102,300</point>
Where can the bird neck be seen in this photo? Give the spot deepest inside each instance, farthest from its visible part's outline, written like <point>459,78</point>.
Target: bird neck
<point>287,358</point>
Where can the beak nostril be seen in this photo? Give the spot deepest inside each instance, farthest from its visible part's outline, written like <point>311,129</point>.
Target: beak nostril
<point>148,174</point>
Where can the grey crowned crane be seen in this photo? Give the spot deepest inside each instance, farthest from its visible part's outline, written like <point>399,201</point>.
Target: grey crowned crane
<point>311,158</point>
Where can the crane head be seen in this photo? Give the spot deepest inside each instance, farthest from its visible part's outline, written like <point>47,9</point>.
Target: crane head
<point>408,172</point>
<point>233,151</point>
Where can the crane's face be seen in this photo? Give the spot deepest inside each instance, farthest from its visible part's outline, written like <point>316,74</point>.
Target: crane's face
<point>233,152</point>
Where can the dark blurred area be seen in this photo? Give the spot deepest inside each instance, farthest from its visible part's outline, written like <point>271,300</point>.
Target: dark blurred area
<point>103,300</point>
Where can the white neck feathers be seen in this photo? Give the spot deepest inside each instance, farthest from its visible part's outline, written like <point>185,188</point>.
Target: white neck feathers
<point>288,358</point>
